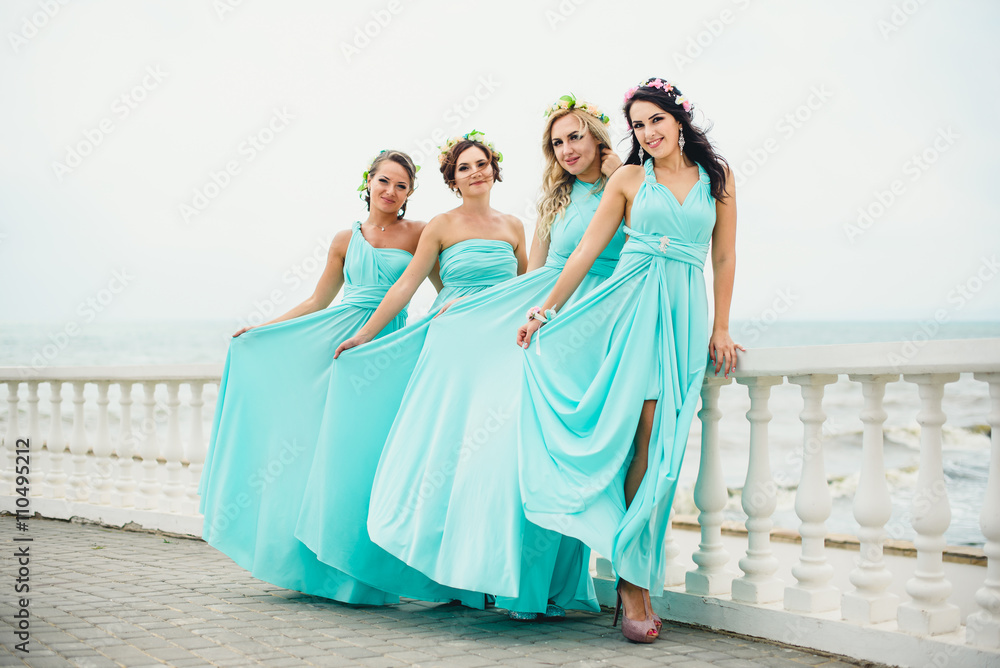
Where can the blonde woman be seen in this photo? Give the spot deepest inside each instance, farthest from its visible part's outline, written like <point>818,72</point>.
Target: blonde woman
<point>446,498</point>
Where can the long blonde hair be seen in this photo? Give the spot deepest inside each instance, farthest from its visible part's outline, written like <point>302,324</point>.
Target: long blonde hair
<point>557,183</point>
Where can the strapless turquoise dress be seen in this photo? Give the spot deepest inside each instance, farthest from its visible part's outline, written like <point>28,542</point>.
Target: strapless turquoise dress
<point>366,387</point>
<point>267,419</point>
<point>446,498</point>
<point>643,334</point>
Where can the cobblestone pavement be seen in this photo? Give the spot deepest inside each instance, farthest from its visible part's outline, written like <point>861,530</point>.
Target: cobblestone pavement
<point>107,597</point>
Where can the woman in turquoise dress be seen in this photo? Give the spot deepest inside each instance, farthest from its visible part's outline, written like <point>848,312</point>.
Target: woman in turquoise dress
<point>477,247</point>
<point>609,402</point>
<point>446,498</point>
<point>273,391</point>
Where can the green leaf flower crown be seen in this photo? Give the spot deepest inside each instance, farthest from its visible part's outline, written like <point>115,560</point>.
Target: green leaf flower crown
<point>474,135</point>
<point>570,102</point>
<point>364,175</point>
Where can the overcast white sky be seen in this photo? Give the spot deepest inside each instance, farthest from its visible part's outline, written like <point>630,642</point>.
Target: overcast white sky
<point>820,107</point>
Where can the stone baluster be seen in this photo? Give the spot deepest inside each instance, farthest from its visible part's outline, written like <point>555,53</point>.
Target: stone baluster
<point>758,584</point>
<point>813,591</point>
<point>710,496</point>
<point>674,571</point>
<point>103,466</point>
<point>173,452</point>
<point>148,451</point>
<point>78,446</point>
<point>982,628</point>
<point>125,482</point>
<point>35,438</point>
<point>870,601</point>
<point>56,445</point>
<point>928,611</point>
<point>195,451</point>
<point>10,438</point>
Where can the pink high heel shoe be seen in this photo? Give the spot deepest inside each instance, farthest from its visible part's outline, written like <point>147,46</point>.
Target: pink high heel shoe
<point>656,617</point>
<point>636,631</point>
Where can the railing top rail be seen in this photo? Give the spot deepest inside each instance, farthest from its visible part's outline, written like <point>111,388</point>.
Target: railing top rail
<point>891,357</point>
<point>146,372</point>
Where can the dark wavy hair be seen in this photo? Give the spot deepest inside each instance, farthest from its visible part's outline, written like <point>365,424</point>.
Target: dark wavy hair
<point>404,161</point>
<point>697,146</point>
<point>450,162</point>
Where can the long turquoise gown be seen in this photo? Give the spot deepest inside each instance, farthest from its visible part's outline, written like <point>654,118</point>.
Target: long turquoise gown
<point>445,498</point>
<point>643,334</point>
<point>365,389</point>
<point>267,418</point>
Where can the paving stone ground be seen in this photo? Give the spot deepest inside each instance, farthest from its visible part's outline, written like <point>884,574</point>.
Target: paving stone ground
<point>107,597</point>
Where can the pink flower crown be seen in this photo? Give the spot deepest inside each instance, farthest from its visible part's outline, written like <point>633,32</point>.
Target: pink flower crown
<point>665,86</point>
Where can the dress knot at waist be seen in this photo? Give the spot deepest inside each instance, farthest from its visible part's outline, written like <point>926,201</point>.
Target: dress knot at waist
<point>659,245</point>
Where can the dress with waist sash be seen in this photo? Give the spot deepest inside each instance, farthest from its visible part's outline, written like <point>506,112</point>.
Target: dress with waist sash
<point>643,334</point>
<point>446,498</point>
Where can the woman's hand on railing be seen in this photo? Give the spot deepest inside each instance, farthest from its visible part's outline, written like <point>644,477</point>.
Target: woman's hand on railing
<point>353,342</point>
<point>526,331</point>
<point>722,351</point>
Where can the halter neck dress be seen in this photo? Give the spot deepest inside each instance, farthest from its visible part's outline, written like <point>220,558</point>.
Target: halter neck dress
<point>365,389</point>
<point>446,498</point>
<point>267,418</point>
<point>643,334</point>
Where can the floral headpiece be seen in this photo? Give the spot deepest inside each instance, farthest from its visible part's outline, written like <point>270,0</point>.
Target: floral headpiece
<point>665,86</point>
<point>364,175</point>
<point>476,136</point>
<point>570,102</point>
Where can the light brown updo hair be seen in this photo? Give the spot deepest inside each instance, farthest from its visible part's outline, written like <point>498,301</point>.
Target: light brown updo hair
<point>401,159</point>
<point>450,162</point>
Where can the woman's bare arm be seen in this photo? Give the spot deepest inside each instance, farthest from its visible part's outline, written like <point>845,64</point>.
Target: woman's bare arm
<point>327,287</point>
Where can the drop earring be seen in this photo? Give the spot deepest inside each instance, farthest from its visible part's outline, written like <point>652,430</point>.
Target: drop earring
<point>641,156</point>
<point>680,139</point>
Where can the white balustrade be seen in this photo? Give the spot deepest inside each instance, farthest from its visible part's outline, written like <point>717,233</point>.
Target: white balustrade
<point>148,497</point>
<point>674,570</point>
<point>758,584</point>
<point>10,439</point>
<point>78,484</point>
<point>194,450</point>
<point>928,611</point>
<point>813,592</point>
<point>56,445</point>
<point>983,626</point>
<point>103,465</point>
<point>173,453</point>
<point>870,602</point>
<point>125,482</point>
<point>150,476</point>
<point>710,497</point>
